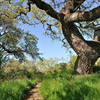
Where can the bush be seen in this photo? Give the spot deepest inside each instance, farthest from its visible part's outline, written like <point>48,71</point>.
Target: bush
<point>15,70</point>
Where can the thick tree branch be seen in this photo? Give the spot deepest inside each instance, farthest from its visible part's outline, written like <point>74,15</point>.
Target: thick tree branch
<point>47,8</point>
<point>83,16</point>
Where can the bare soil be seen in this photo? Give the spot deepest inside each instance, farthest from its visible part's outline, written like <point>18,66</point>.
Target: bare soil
<point>33,94</point>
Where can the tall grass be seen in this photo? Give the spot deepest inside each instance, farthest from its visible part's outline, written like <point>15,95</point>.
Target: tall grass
<point>14,89</point>
<point>72,88</point>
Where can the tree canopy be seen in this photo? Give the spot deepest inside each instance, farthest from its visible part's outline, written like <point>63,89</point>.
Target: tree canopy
<point>16,42</point>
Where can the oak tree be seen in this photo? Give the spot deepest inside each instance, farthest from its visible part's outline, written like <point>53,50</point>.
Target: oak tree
<point>88,51</point>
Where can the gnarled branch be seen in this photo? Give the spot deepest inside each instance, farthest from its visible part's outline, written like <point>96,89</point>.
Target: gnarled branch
<point>83,15</point>
<point>47,8</point>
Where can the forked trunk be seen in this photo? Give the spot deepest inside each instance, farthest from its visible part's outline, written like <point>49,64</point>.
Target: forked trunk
<point>88,51</point>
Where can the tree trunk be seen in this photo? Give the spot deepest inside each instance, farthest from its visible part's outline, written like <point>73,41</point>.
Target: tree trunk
<point>86,60</point>
<point>88,51</point>
<point>84,65</point>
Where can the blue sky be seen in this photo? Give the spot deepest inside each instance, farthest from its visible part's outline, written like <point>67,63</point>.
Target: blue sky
<point>48,47</point>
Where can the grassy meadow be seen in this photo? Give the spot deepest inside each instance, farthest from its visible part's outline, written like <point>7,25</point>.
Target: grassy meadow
<point>57,81</point>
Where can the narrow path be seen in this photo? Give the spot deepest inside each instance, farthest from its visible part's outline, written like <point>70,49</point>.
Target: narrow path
<point>33,94</point>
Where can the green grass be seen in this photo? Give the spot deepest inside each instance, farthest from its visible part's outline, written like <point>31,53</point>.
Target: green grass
<point>15,89</point>
<point>57,86</point>
<point>71,87</point>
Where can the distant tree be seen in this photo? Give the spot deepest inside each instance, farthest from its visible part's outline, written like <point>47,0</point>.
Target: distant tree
<point>45,64</point>
<point>15,69</point>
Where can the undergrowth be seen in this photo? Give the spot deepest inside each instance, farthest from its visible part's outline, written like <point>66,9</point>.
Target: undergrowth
<point>15,89</point>
<point>68,87</point>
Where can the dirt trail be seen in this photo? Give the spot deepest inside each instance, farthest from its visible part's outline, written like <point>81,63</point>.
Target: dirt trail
<point>33,94</point>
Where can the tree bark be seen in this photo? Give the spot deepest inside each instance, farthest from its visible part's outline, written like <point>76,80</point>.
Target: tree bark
<point>84,65</point>
<point>88,51</point>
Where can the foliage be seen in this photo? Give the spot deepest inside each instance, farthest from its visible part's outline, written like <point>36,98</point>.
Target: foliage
<point>15,41</point>
<point>71,88</point>
<point>18,11</point>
